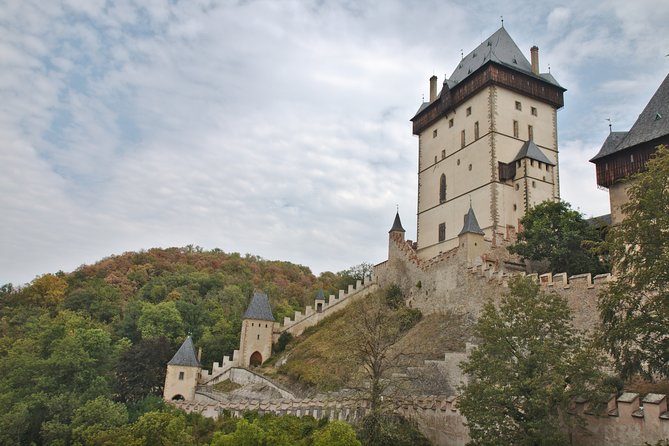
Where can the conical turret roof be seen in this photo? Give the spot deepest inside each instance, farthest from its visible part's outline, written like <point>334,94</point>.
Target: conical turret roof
<point>471,225</point>
<point>397,224</point>
<point>185,356</point>
<point>259,308</point>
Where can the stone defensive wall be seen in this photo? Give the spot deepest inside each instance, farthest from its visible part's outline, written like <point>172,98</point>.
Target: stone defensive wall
<point>628,420</point>
<point>322,308</point>
<point>350,410</point>
<point>452,283</point>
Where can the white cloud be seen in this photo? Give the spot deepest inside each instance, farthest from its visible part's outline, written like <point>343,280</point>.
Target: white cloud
<point>275,128</point>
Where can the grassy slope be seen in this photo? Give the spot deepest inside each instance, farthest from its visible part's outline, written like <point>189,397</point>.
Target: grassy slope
<point>319,360</point>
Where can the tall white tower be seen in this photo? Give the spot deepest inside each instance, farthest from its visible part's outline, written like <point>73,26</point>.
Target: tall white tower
<point>488,138</point>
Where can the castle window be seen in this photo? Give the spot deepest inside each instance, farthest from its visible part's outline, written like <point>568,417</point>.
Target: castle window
<point>458,161</point>
<point>258,337</point>
<point>533,110</point>
<point>469,111</point>
<point>442,188</point>
<point>435,159</point>
<point>181,376</point>
<point>470,167</point>
<point>515,207</point>
<point>631,157</point>
<point>519,106</point>
<point>530,132</point>
<point>476,130</point>
<point>443,154</point>
<point>534,183</point>
<point>462,138</point>
<point>517,186</point>
<point>518,163</point>
<point>434,133</point>
<point>450,123</point>
<point>442,232</point>
<point>515,129</point>
<point>531,162</point>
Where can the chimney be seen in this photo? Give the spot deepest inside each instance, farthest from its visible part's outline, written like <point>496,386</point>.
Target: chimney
<point>534,53</point>
<point>433,88</point>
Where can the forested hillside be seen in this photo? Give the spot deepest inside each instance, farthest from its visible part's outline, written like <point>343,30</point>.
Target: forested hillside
<point>99,338</point>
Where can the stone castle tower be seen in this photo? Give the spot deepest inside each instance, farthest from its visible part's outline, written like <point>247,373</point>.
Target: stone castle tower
<point>183,372</point>
<point>255,345</point>
<point>487,140</point>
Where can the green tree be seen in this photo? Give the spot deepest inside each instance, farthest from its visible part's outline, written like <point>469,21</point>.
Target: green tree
<point>635,308</point>
<point>336,433</point>
<point>162,429</point>
<point>529,365</point>
<point>162,319</point>
<point>97,419</point>
<point>377,326</point>
<point>555,233</point>
<point>140,370</point>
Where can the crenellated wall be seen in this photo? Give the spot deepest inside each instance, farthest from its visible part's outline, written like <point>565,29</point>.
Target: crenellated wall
<point>451,283</point>
<point>322,308</point>
<point>627,420</point>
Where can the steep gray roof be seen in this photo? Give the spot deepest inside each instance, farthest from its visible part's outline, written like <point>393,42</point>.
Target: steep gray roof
<point>653,123</point>
<point>610,145</point>
<point>185,356</point>
<point>320,295</point>
<point>259,308</point>
<point>471,224</point>
<point>397,224</point>
<point>422,107</point>
<point>499,48</point>
<point>530,150</point>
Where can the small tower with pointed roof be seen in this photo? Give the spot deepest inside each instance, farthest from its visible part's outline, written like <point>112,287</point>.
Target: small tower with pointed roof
<point>395,235</point>
<point>470,237</point>
<point>183,372</point>
<point>255,345</point>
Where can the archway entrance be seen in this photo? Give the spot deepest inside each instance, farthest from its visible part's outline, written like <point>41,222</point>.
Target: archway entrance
<point>178,398</point>
<point>256,359</point>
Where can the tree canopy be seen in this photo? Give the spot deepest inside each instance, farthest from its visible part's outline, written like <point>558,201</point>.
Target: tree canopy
<point>635,307</point>
<point>555,233</point>
<point>529,364</point>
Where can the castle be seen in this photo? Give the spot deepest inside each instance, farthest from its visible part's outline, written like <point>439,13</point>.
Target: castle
<point>488,151</point>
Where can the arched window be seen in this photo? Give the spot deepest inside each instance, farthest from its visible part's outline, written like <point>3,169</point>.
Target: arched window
<point>442,188</point>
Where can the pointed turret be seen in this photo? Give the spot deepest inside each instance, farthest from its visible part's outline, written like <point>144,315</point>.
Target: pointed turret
<point>395,236</point>
<point>183,372</point>
<point>185,356</point>
<point>470,237</point>
<point>397,224</point>
<point>471,225</point>
<point>255,345</point>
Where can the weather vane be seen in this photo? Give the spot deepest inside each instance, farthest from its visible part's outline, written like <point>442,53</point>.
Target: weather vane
<point>610,129</point>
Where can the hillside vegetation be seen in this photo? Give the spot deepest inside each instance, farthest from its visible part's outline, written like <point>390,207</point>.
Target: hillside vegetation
<point>102,334</point>
<point>323,360</point>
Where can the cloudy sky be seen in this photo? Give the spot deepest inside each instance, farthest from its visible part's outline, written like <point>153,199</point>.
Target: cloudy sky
<point>277,128</point>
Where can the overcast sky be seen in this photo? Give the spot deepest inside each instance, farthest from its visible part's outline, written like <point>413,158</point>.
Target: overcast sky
<point>276,128</point>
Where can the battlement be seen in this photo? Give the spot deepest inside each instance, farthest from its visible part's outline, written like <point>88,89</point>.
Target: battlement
<point>322,308</point>
<point>347,409</point>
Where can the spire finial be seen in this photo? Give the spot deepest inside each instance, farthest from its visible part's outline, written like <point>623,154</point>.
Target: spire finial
<point>502,19</point>
<point>423,96</point>
<point>462,54</point>
<point>549,68</point>
<point>610,127</point>
<point>397,208</point>
<point>470,200</point>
